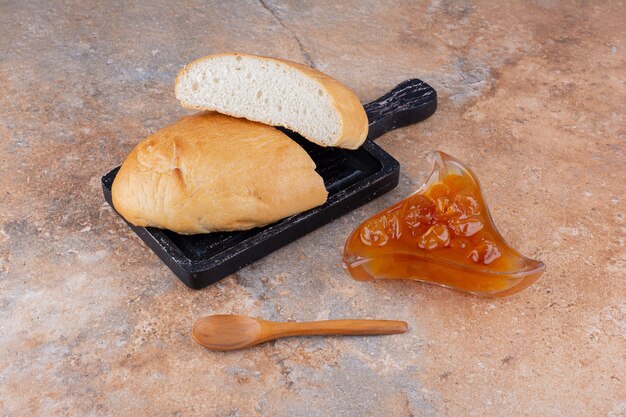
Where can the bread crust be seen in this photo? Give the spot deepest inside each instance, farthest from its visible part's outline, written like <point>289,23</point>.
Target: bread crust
<point>212,172</point>
<point>351,112</point>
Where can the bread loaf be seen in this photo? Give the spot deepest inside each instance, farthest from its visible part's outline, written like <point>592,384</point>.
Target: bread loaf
<point>211,172</point>
<point>275,92</point>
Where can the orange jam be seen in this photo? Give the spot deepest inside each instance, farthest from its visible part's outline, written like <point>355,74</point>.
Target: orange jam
<point>442,234</point>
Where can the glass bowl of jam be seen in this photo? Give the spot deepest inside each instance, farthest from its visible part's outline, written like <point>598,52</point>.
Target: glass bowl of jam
<point>442,234</point>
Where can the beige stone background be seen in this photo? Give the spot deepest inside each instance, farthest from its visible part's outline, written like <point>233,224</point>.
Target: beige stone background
<point>532,95</point>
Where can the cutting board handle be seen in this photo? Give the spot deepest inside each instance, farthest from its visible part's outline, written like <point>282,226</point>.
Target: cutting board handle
<point>409,102</point>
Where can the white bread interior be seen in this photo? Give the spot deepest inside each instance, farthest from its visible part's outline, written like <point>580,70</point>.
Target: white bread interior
<point>275,92</point>
<point>212,172</point>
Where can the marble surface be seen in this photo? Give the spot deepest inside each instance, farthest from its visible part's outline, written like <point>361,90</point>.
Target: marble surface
<point>532,96</point>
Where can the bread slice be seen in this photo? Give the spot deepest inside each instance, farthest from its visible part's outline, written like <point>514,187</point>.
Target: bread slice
<point>275,92</point>
<point>211,172</point>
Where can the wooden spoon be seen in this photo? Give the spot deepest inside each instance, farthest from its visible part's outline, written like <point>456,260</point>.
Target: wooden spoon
<point>230,332</point>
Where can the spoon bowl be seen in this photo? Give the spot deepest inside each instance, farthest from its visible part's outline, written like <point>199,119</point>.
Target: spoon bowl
<point>226,331</point>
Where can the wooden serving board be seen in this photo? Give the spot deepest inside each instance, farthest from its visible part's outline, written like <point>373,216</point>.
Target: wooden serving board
<point>352,179</point>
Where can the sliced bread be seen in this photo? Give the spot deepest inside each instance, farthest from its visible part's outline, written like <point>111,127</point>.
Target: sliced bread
<point>275,92</point>
<point>212,172</point>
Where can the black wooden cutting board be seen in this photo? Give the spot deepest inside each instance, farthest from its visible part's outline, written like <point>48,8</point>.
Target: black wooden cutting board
<point>352,178</point>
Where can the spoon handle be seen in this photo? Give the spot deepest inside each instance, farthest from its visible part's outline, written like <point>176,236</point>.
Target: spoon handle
<point>339,327</point>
